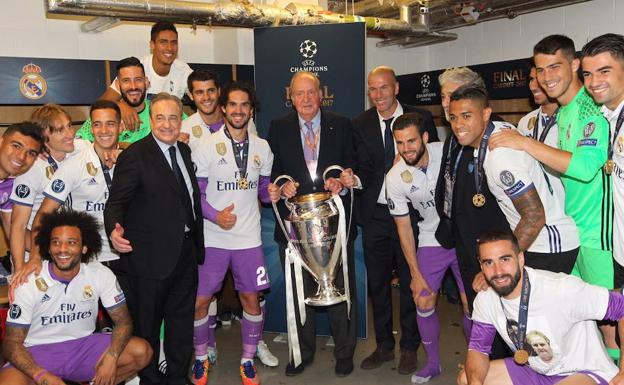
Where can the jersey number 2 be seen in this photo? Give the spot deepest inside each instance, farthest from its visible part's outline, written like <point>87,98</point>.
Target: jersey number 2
<point>261,276</point>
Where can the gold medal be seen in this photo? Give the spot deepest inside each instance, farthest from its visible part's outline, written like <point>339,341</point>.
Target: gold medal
<point>478,200</point>
<point>406,176</point>
<point>609,166</point>
<point>521,357</point>
<point>243,184</point>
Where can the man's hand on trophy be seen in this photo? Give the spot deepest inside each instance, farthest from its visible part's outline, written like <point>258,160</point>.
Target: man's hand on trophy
<point>348,179</point>
<point>289,189</point>
<point>333,185</point>
<point>225,218</point>
<point>274,192</point>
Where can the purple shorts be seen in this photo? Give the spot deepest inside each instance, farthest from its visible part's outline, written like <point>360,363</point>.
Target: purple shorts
<point>248,269</point>
<point>433,261</point>
<point>72,360</point>
<point>524,375</point>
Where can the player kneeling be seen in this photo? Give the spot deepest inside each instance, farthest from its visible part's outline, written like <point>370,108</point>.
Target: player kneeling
<point>50,328</point>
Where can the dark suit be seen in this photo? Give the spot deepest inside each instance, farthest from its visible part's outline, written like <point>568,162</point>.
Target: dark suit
<point>159,276</point>
<point>382,250</point>
<point>335,148</point>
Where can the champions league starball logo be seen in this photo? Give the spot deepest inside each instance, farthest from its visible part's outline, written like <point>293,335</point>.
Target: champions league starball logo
<point>308,49</point>
<point>425,81</point>
<point>32,85</point>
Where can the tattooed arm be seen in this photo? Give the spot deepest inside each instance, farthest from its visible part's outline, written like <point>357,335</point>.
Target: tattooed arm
<point>14,351</point>
<point>532,217</point>
<point>106,368</point>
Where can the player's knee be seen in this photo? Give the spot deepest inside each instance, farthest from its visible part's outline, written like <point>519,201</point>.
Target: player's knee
<point>426,302</point>
<point>142,353</point>
<point>201,306</point>
<point>250,303</point>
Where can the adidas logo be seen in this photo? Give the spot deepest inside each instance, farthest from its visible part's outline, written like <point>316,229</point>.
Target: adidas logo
<point>413,189</point>
<point>45,298</point>
<point>91,182</point>
<point>221,162</point>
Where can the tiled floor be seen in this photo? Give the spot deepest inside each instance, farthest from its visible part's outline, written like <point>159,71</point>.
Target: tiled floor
<point>321,372</point>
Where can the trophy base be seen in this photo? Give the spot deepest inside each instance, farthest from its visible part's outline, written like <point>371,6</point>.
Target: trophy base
<point>328,297</point>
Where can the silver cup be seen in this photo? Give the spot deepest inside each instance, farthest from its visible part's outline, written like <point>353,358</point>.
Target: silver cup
<point>312,228</point>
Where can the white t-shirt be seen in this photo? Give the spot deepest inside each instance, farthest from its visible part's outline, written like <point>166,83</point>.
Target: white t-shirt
<point>617,179</point>
<point>562,308</point>
<point>83,178</point>
<point>411,184</point>
<point>174,83</point>
<point>56,312</point>
<point>28,187</point>
<point>215,161</point>
<point>195,126</point>
<point>510,174</point>
<point>534,121</point>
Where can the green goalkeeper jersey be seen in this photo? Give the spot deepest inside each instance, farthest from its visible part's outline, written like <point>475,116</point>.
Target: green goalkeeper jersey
<point>584,132</point>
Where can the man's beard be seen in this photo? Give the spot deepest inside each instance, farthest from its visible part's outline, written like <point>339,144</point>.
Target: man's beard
<point>132,104</point>
<point>505,290</point>
<point>419,156</point>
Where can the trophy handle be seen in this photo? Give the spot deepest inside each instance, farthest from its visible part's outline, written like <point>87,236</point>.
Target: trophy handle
<point>341,169</point>
<point>289,205</point>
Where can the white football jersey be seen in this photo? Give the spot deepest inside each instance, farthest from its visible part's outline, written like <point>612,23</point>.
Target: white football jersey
<point>510,174</point>
<point>83,178</point>
<point>54,311</point>
<point>215,161</point>
<point>406,184</point>
<point>617,180</point>
<point>196,128</point>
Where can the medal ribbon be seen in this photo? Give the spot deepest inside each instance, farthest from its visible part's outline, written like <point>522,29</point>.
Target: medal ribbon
<point>107,176</point>
<point>616,132</point>
<point>523,313</point>
<point>547,127</point>
<point>478,161</point>
<point>241,152</point>
<point>449,176</point>
<point>52,163</point>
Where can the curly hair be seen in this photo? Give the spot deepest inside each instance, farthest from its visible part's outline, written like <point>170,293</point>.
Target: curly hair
<point>87,224</point>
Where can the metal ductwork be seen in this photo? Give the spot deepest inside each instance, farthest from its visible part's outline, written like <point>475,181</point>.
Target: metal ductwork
<point>232,14</point>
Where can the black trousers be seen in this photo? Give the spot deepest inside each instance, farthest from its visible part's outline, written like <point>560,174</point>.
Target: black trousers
<point>343,329</point>
<point>382,252</point>
<point>172,299</point>
<point>562,262</point>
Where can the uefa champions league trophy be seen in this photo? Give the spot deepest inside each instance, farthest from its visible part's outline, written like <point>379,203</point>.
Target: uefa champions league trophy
<point>316,230</point>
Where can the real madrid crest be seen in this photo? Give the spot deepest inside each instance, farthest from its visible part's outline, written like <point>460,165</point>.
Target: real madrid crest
<point>91,169</point>
<point>532,123</point>
<point>197,131</point>
<point>406,176</point>
<point>619,145</point>
<point>221,149</point>
<point>49,172</point>
<point>257,161</point>
<point>41,284</point>
<point>87,292</point>
<point>32,85</point>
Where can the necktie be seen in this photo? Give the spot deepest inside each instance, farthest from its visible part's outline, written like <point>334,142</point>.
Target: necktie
<point>309,150</point>
<point>388,144</point>
<point>186,198</point>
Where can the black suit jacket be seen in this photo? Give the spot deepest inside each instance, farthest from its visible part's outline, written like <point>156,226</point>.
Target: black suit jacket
<point>145,200</point>
<point>335,148</point>
<point>370,156</point>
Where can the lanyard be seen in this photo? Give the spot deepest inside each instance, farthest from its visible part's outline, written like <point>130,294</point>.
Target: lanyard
<point>107,176</point>
<point>241,152</point>
<point>450,175</point>
<point>52,163</point>
<point>478,161</point>
<point>547,127</point>
<point>616,132</point>
<point>517,337</point>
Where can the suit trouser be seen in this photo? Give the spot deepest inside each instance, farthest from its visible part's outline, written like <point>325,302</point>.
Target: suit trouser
<point>343,329</point>
<point>382,252</point>
<point>171,299</point>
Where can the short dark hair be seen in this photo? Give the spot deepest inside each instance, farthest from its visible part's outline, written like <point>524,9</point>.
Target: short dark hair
<point>29,129</point>
<point>105,105</point>
<point>471,92</point>
<point>610,42</point>
<point>236,86</point>
<point>162,25</point>
<point>495,235</point>
<point>130,62</point>
<point>202,76</point>
<point>553,43</point>
<point>408,120</point>
<point>87,224</point>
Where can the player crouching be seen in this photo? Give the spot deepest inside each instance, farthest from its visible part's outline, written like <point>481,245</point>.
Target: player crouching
<point>50,328</point>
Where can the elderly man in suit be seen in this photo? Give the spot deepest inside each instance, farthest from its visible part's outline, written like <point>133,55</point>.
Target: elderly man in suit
<point>154,219</point>
<point>374,146</point>
<point>304,144</point>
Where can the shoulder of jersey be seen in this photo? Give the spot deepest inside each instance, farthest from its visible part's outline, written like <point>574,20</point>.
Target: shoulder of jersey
<point>588,108</point>
<point>503,126</point>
